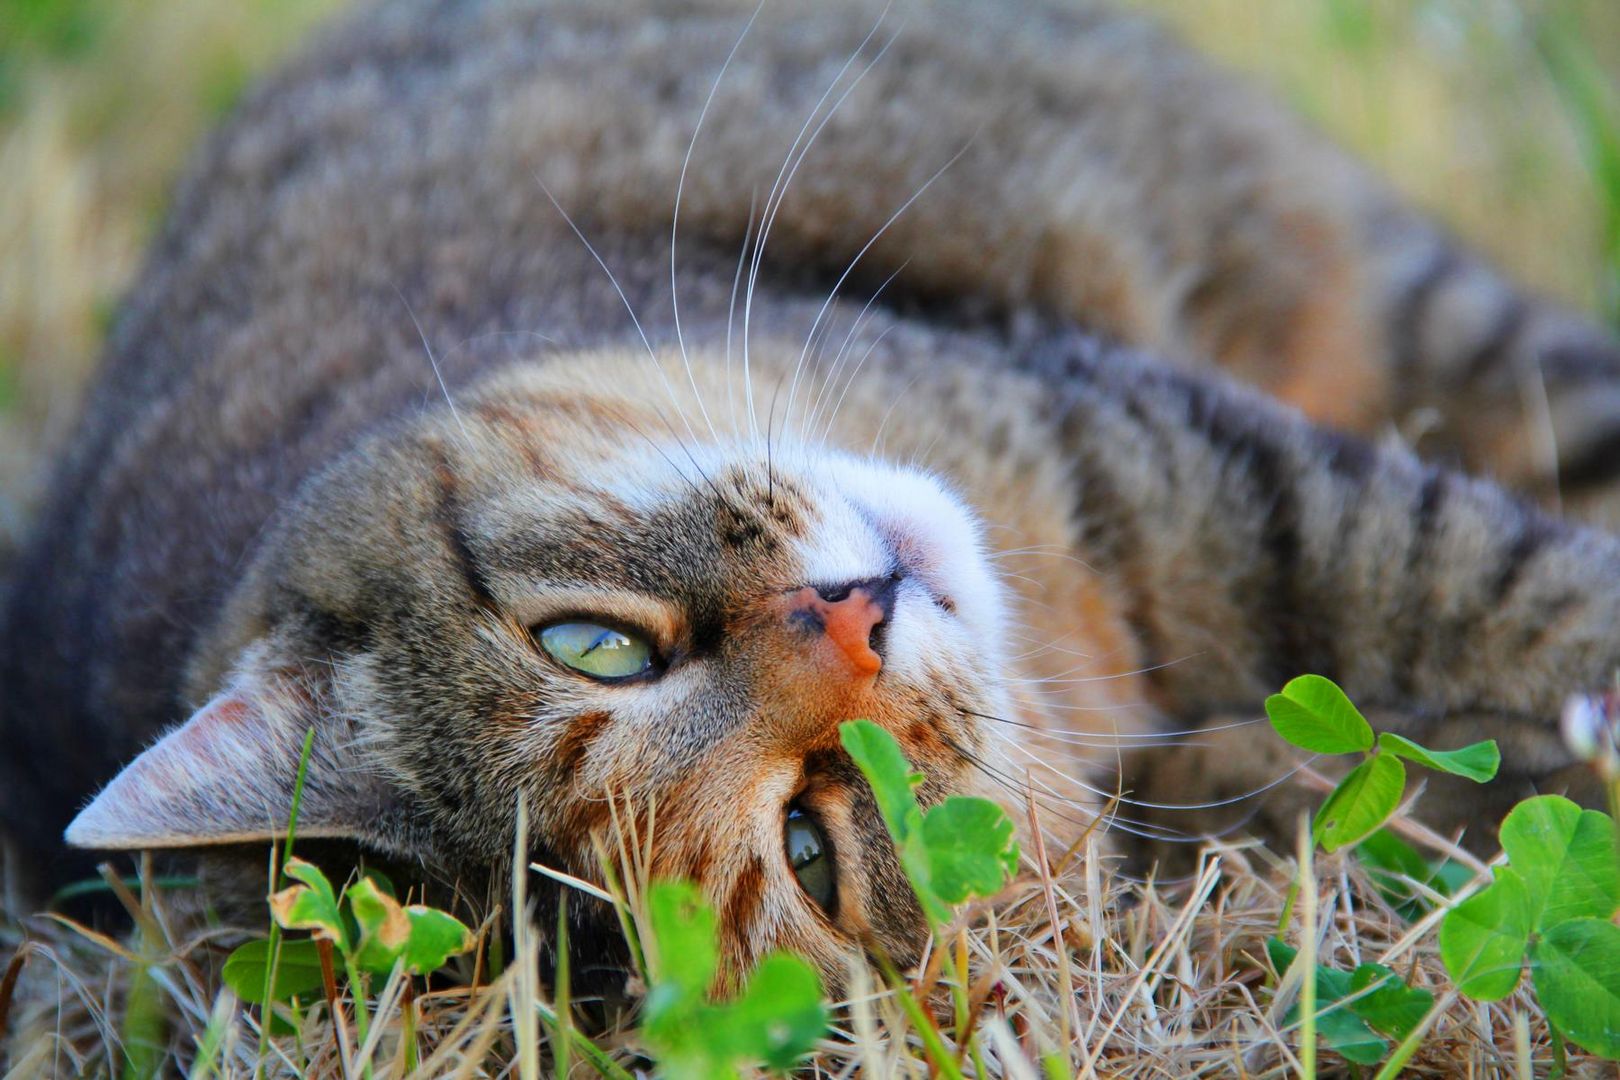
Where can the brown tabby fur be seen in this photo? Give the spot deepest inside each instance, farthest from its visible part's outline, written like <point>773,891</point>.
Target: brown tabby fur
<point>1033,224</point>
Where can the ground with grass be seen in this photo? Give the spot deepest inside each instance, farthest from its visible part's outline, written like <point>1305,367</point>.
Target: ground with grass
<point>1497,115</point>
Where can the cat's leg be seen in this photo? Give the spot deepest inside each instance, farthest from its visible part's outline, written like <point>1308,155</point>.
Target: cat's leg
<point>1247,546</point>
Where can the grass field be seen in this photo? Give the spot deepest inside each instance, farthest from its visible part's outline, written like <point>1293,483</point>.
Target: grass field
<point>1500,116</point>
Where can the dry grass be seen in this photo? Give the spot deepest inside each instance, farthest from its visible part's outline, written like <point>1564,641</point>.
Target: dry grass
<point>1452,99</point>
<point>1166,981</point>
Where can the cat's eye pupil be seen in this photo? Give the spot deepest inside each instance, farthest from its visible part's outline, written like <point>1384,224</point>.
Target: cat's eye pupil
<point>811,858</point>
<point>598,651</point>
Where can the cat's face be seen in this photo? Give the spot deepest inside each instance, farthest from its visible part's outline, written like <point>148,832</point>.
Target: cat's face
<point>550,596</point>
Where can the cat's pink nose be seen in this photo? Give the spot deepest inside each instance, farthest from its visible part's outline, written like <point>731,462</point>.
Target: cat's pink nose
<point>851,617</point>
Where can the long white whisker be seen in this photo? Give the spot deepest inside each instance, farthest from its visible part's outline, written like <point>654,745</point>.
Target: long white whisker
<point>1144,804</point>
<point>434,364</point>
<point>631,311</point>
<point>487,334</point>
<point>1045,648</point>
<point>884,423</point>
<point>1133,736</point>
<point>790,167</point>
<point>731,312</point>
<point>838,362</point>
<point>859,255</point>
<point>1146,830</point>
<point>1105,678</point>
<point>675,217</point>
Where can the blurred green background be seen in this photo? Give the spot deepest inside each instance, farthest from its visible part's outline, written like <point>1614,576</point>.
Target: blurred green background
<point>1500,116</point>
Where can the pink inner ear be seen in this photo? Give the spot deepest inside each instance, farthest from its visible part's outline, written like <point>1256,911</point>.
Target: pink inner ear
<point>224,776</point>
<point>196,734</point>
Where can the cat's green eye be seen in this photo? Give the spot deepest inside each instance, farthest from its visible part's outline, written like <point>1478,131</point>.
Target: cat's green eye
<point>811,858</point>
<point>595,650</point>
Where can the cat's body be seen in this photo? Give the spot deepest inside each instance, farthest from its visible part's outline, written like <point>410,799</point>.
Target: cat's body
<point>993,196</point>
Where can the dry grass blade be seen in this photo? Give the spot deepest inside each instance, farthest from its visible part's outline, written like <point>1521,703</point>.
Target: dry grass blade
<point>8,987</point>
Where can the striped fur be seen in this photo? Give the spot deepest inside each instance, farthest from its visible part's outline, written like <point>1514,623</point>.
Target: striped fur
<point>403,379</point>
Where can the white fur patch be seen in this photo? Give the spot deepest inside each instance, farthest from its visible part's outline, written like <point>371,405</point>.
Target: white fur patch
<point>906,519</point>
<point>935,537</point>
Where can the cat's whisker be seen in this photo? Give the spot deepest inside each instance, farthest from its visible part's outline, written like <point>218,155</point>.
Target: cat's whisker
<point>1055,809</point>
<point>883,424</point>
<point>659,449</point>
<point>1056,644</point>
<point>675,216</point>
<point>1097,741</point>
<point>1054,800</point>
<point>731,314</point>
<point>1066,677</point>
<point>1090,658</point>
<point>1048,551</point>
<point>1065,681</point>
<point>818,339</point>
<point>1144,804</point>
<point>630,310</point>
<point>770,418</point>
<point>1111,707</point>
<point>922,456</point>
<point>1133,736</point>
<point>832,294</point>
<point>472,339</point>
<point>1040,646</point>
<point>1111,818</point>
<point>433,363</point>
<point>838,361</point>
<point>1045,648</point>
<point>1034,549</point>
<point>784,177</point>
<point>855,372</point>
<point>1013,575</point>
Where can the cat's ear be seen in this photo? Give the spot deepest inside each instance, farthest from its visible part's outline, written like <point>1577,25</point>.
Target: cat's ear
<point>227,775</point>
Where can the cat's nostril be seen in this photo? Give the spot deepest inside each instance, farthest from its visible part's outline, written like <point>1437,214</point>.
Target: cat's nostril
<point>835,593</point>
<point>880,590</point>
<point>853,615</point>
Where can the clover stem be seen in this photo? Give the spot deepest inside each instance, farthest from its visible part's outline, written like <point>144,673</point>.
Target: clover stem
<point>362,1014</point>
<point>604,1065</point>
<point>1288,906</point>
<point>1611,782</point>
<point>956,969</point>
<point>933,1044</point>
<point>1414,1038</point>
<point>1307,953</point>
<point>560,990</point>
<point>409,1018</point>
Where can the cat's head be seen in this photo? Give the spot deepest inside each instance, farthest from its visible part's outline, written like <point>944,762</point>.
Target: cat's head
<point>558,592</point>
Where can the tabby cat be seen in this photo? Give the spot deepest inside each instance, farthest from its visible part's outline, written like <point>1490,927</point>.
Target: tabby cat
<point>594,404</point>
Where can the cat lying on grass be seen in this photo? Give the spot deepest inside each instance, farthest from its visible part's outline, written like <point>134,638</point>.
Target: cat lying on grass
<point>599,406</point>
